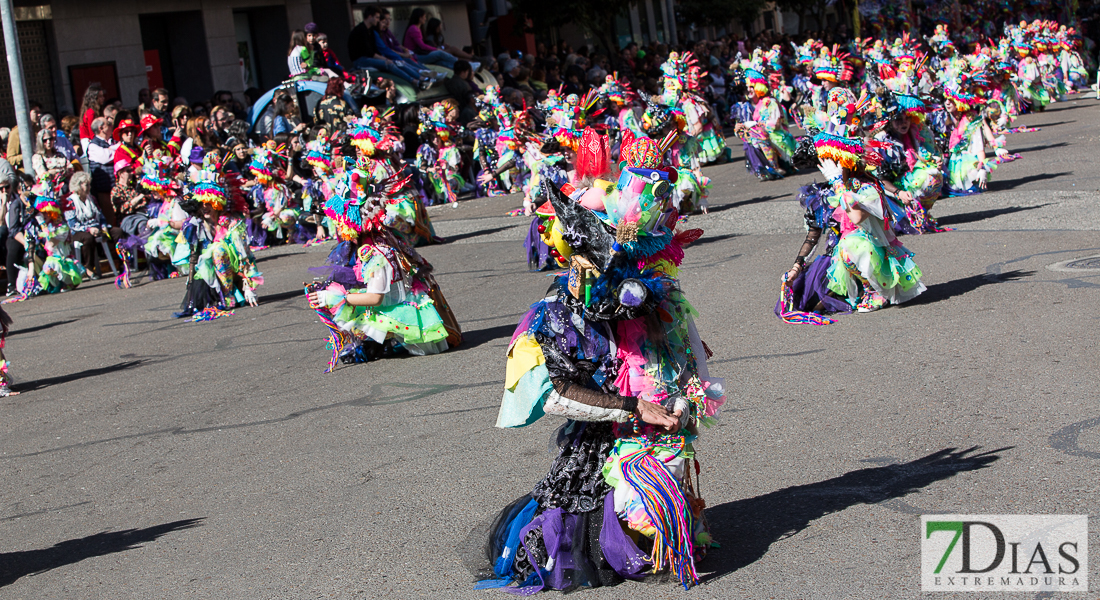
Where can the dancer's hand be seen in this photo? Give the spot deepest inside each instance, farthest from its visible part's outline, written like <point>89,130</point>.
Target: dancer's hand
<point>795,270</point>
<point>657,415</point>
<point>250,297</point>
<point>315,300</point>
<point>905,197</point>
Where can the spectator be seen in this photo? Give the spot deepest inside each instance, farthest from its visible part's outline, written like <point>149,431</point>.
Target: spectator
<point>128,203</point>
<point>110,112</point>
<point>371,58</point>
<point>538,82</point>
<point>15,153</point>
<point>433,35</point>
<point>181,115</point>
<point>511,67</point>
<point>159,106</point>
<point>47,161</point>
<point>70,128</point>
<point>18,212</point>
<point>88,225</point>
<point>298,57</point>
<point>220,119</point>
<point>143,100</point>
<point>333,109</point>
<point>222,98</point>
<point>313,57</point>
<point>101,154</point>
<point>128,152</point>
<point>63,146</point>
<point>523,81</point>
<point>462,90</point>
<point>328,58</point>
<point>574,80</point>
<point>4,133</point>
<point>90,108</point>
<point>390,40</point>
<point>414,40</point>
<point>198,133</point>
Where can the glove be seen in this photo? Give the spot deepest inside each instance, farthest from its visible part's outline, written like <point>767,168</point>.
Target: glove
<point>250,297</point>
<point>832,171</point>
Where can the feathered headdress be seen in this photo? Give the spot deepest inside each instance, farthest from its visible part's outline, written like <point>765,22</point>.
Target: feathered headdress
<point>267,163</point>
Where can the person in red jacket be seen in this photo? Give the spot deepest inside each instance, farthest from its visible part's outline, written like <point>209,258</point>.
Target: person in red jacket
<point>128,151</point>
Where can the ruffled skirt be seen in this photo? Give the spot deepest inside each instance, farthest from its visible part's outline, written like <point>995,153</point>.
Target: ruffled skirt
<point>889,270</point>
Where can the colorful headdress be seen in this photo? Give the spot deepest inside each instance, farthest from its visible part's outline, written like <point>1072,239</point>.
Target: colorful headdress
<point>845,151</point>
<point>319,154</point>
<point>831,65</point>
<point>756,81</point>
<point>156,177</point>
<point>266,164</point>
<point>47,204</point>
<point>617,92</point>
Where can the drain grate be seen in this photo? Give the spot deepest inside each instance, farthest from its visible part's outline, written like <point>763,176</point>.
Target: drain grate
<point>1088,263</point>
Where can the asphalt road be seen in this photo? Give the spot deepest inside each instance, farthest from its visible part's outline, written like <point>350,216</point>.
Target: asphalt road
<point>152,458</point>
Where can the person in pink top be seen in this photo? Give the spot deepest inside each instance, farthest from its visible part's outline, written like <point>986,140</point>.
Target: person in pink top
<point>414,40</point>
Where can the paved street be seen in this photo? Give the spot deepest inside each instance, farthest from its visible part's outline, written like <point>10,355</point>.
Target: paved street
<point>152,458</point>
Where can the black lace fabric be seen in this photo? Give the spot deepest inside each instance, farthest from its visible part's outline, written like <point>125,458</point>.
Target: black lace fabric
<point>575,481</point>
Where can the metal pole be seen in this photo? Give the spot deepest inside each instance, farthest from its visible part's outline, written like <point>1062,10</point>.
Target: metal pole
<point>18,85</point>
<point>673,38</point>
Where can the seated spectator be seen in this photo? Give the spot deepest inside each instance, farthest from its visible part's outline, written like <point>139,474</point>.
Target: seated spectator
<point>299,58</point>
<point>87,224</point>
<point>328,58</point>
<point>47,161</point>
<point>101,153</point>
<point>574,80</point>
<point>389,40</point>
<point>433,35</point>
<point>62,143</point>
<point>511,68</point>
<point>129,203</point>
<point>414,40</point>
<point>363,47</point>
<point>458,85</point>
<point>523,81</point>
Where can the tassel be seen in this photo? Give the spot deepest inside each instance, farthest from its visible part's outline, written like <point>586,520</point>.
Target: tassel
<point>786,296</point>
<point>122,280</point>
<point>210,313</point>
<point>668,510</point>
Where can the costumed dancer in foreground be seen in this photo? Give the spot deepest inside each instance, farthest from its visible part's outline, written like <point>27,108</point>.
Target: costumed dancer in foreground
<point>868,267</point>
<point>224,273</point>
<point>379,297</point>
<point>612,347</point>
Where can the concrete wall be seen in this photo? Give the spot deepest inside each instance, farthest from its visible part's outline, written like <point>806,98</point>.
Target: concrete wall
<point>109,31</point>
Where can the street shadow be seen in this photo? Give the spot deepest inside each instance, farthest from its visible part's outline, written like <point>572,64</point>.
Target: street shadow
<point>1041,125</point>
<point>41,327</point>
<point>1037,148</point>
<point>275,256</point>
<point>749,527</point>
<point>942,291</point>
<point>712,239</point>
<point>998,185</point>
<point>479,337</point>
<point>279,297</point>
<point>14,565</point>
<point>46,382</point>
<point>981,215</point>
<point>722,207</point>
<point>480,232</point>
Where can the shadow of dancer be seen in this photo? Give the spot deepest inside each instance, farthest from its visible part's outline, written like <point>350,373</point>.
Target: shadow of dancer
<point>14,565</point>
<point>942,291</point>
<point>749,527</point>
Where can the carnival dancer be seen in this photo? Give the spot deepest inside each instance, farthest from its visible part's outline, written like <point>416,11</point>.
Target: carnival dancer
<point>968,170</point>
<point>872,268</point>
<point>378,158</point>
<point>620,501</point>
<point>766,132</point>
<point>167,251</point>
<point>223,266</point>
<point>379,297</point>
<point>281,209</point>
<point>59,271</point>
<point>438,158</point>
